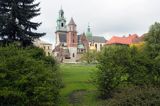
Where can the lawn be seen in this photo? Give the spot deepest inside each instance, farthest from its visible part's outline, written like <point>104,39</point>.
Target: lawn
<point>78,89</point>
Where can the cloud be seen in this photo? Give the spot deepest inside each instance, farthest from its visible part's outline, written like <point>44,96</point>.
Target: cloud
<point>110,17</point>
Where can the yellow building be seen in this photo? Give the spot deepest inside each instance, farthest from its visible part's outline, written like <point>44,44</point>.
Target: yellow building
<point>47,47</point>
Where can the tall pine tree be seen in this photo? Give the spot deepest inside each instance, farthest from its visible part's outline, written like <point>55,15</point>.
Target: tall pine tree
<point>15,21</point>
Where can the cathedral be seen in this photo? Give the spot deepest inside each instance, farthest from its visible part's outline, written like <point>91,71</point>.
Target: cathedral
<point>69,46</point>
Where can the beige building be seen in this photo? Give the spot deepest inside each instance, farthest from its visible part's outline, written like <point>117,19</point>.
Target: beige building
<point>97,42</point>
<point>47,47</point>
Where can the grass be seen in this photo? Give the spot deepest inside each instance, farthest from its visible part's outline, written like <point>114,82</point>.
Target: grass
<point>77,85</point>
<point>79,91</point>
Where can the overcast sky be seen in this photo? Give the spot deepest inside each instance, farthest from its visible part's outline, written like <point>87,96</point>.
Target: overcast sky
<point>106,17</point>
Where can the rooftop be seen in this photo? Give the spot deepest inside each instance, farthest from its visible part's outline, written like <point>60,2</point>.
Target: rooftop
<point>134,38</point>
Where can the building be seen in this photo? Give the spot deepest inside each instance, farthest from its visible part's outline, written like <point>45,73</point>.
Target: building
<point>70,46</point>
<point>129,40</point>
<point>47,47</point>
<point>94,42</point>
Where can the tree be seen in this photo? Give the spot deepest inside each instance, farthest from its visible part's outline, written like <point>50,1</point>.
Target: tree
<point>28,78</point>
<point>16,24</point>
<point>152,49</point>
<point>89,56</point>
<point>113,65</point>
<point>153,40</point>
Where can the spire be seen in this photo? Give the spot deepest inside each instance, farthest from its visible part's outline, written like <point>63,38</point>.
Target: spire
<point>61,7</point>
<point>71,22</point>
<point>89,29</point>
<point>61,13</point>
<point>89,33</point>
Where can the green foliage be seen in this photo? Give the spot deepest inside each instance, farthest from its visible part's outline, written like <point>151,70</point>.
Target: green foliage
<point>152,50</point>
<point>139,68</point>
<point>28,77</point>
<point>113,66</point>
<point>153,40</point>
<point>136,97</point>
<point>89,57</point>
<point>122,66</point>
<point>16,24</point>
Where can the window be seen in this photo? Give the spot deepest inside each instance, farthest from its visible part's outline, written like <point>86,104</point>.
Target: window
<point>62,24</point>
<point>48,54</point>
<point>96,46</point>
<point>73,55</point>
<point>101,46</point>
<point>48,47</point>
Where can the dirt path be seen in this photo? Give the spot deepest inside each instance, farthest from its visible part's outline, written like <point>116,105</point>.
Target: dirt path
<point>76,97</point>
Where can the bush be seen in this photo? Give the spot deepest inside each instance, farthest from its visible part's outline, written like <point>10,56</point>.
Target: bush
<point>28,77</point>
<point>152,50</point>
<point>113,64</point>
<point>136,96</point>
<point>122,66</point>
<point>89,57</point>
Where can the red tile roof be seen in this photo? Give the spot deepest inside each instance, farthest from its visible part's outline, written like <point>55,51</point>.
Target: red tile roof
<point>123,40</point>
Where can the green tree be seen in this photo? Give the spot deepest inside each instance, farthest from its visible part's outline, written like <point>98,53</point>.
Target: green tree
<point>153,40</point>
<point>89,56</point>
<point>153,51</point>
<point>139,68</point>
<point>113,65</point>
<point>16,24</point>
<point>28,78</point>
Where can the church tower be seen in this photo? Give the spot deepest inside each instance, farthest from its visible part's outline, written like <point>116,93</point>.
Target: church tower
<point>72,39</point>
<point>61,28</point>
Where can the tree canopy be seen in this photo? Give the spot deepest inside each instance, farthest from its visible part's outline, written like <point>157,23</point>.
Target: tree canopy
<point>28,77</point>
<point>16,21</point>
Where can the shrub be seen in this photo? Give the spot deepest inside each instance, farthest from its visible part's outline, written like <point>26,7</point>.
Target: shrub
<point>122,66</point>
<point>152,49</point>
<point>28,77</point>
<point>113,64</point>
<point>136,96</point>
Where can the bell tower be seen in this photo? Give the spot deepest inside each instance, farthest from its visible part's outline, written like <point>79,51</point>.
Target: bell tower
<point>72,39</point>
<point>61,21</point>
<point>61,28</point>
